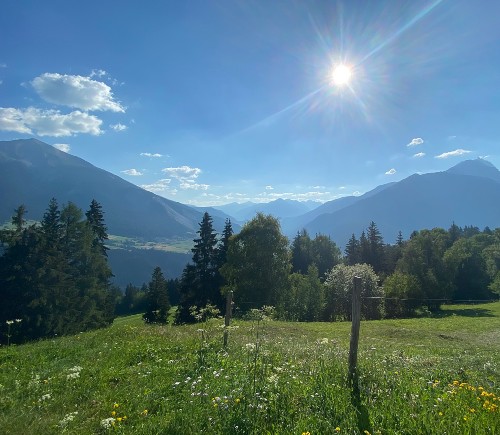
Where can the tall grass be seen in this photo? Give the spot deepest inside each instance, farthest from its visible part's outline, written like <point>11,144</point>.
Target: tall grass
<point>432,375</point>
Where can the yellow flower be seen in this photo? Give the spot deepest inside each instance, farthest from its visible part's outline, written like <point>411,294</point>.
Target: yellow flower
<point>337,429</point>
<point>113,413</point>
<point>145,412</point>
<point>472,410</point>
<point>237,400</point>
<point>306,433</point>
<point>116,405</point>
<point>119,419</point>
<point>366,432</point>
<point>440,414</point>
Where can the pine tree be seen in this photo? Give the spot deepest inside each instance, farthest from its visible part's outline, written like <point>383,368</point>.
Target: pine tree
<point>302,256</point>
<point>95,218</point>
<point>200,283</point>
<point>352,251</point>
<point>157,299</point>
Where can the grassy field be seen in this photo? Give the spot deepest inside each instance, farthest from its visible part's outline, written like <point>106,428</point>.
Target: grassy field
<point>180,246</point>
<point>437,375</point>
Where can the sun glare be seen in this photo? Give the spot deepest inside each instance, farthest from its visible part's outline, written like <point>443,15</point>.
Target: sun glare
<point>341,75</point>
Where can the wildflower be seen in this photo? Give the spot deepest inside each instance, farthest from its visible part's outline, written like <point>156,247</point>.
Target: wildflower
<point>306,433</point>
<point>337,429</point>
<point>113,413</point>
<point>19,320</point>
<point>119,419</point>
<point>68,418</point>
<point>440,414</point>
<point>116,405</point>
<point>107,423</point>
<point>145,412</point>
<point>45,397</point>
<point>237,400</point>
<point>9,322</point>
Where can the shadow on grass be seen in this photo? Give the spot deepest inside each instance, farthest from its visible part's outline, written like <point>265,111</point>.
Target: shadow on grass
<point>363,418</point>
<point>464,312</point>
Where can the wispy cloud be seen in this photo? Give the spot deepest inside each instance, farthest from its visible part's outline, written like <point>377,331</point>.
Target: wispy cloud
<point>416,141</point>
<point>132,172</point>
<point>118,127</point>
<point>156,155</point>
<point>418,155</point>
<point>269,188</point>
<point>48,122</point>
<point>76,91</point>
<point>64,147</point>
<point>158,186</point>
<point>455,153</point>
<point>391,171</point>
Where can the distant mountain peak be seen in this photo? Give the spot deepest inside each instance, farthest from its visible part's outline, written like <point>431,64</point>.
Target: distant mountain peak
<point>477,167</point>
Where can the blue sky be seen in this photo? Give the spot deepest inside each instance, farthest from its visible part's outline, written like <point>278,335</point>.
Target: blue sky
<point>211,102</point>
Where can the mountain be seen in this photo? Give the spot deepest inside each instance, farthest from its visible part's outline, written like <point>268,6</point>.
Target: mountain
<point>32,172</point>
<point>279,208</point>
<point>467,194</point>
<point>291,225</point>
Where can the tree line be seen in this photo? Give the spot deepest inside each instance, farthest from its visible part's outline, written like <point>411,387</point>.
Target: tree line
<point>54,276</point>
<point>310,280</point>
<point>55,279</point>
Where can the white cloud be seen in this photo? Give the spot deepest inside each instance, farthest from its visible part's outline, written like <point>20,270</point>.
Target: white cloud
<point>118,127</point>
<point>183,173</point>
<point>64,147</point>
<point>98,73</point>
<point>190,184</point>
<point>133,172</point>
<point>76,91</point>
<point>158,186</point>
<point>156,155</point>
<point>454,153</point>
<point>416,141</point>
<point>391,171</point>
<point>48,122</point>
<point>318,187</point>
<point>269,188</point>
<point>419,155</point>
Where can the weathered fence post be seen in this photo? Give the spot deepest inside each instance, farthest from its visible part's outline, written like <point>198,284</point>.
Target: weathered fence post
<point>356,318</point>
<point>227,318</point>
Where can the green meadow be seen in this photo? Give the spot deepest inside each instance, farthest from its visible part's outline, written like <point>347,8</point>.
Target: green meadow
<point>432,375</point>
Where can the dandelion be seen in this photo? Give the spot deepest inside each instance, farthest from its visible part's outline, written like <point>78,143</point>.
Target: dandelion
<point>337,429</point>
<point>115,405</point>
<point>145,412</point>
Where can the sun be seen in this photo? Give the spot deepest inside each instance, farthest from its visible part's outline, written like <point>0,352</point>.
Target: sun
<point>341,75</point>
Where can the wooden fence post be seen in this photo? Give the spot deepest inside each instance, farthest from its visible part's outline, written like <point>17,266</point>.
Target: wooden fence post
<point>227,318</point>
<point>356,319</point>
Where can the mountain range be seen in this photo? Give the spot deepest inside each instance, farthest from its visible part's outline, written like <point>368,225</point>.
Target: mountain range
<point>32,172</point>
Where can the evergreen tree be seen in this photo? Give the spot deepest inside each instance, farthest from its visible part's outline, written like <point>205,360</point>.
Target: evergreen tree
<point>352,251</point>
<point>301,252</point>
<point>157,299</point>
<point>375,248</point>
<point>203,288</point>
<point>95,218</point>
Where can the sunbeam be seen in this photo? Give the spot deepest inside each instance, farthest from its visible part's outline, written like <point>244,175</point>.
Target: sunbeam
<point>403,29</point>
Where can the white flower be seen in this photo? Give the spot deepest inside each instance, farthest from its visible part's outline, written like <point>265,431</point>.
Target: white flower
<point>107,423</point>
<point>67,418</point>
<point>9,322</point>
<point>250,346</point>
<point>45,397</point>
<point>73,375</point>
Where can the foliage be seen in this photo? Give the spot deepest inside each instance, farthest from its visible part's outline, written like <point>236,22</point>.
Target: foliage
<point>201,282</point>
<point>258,264</point>
<point>402,295</point>
<point>434,375</point>
<point>53,276</point>
<point>157,299</point>
<point>339,287</point>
